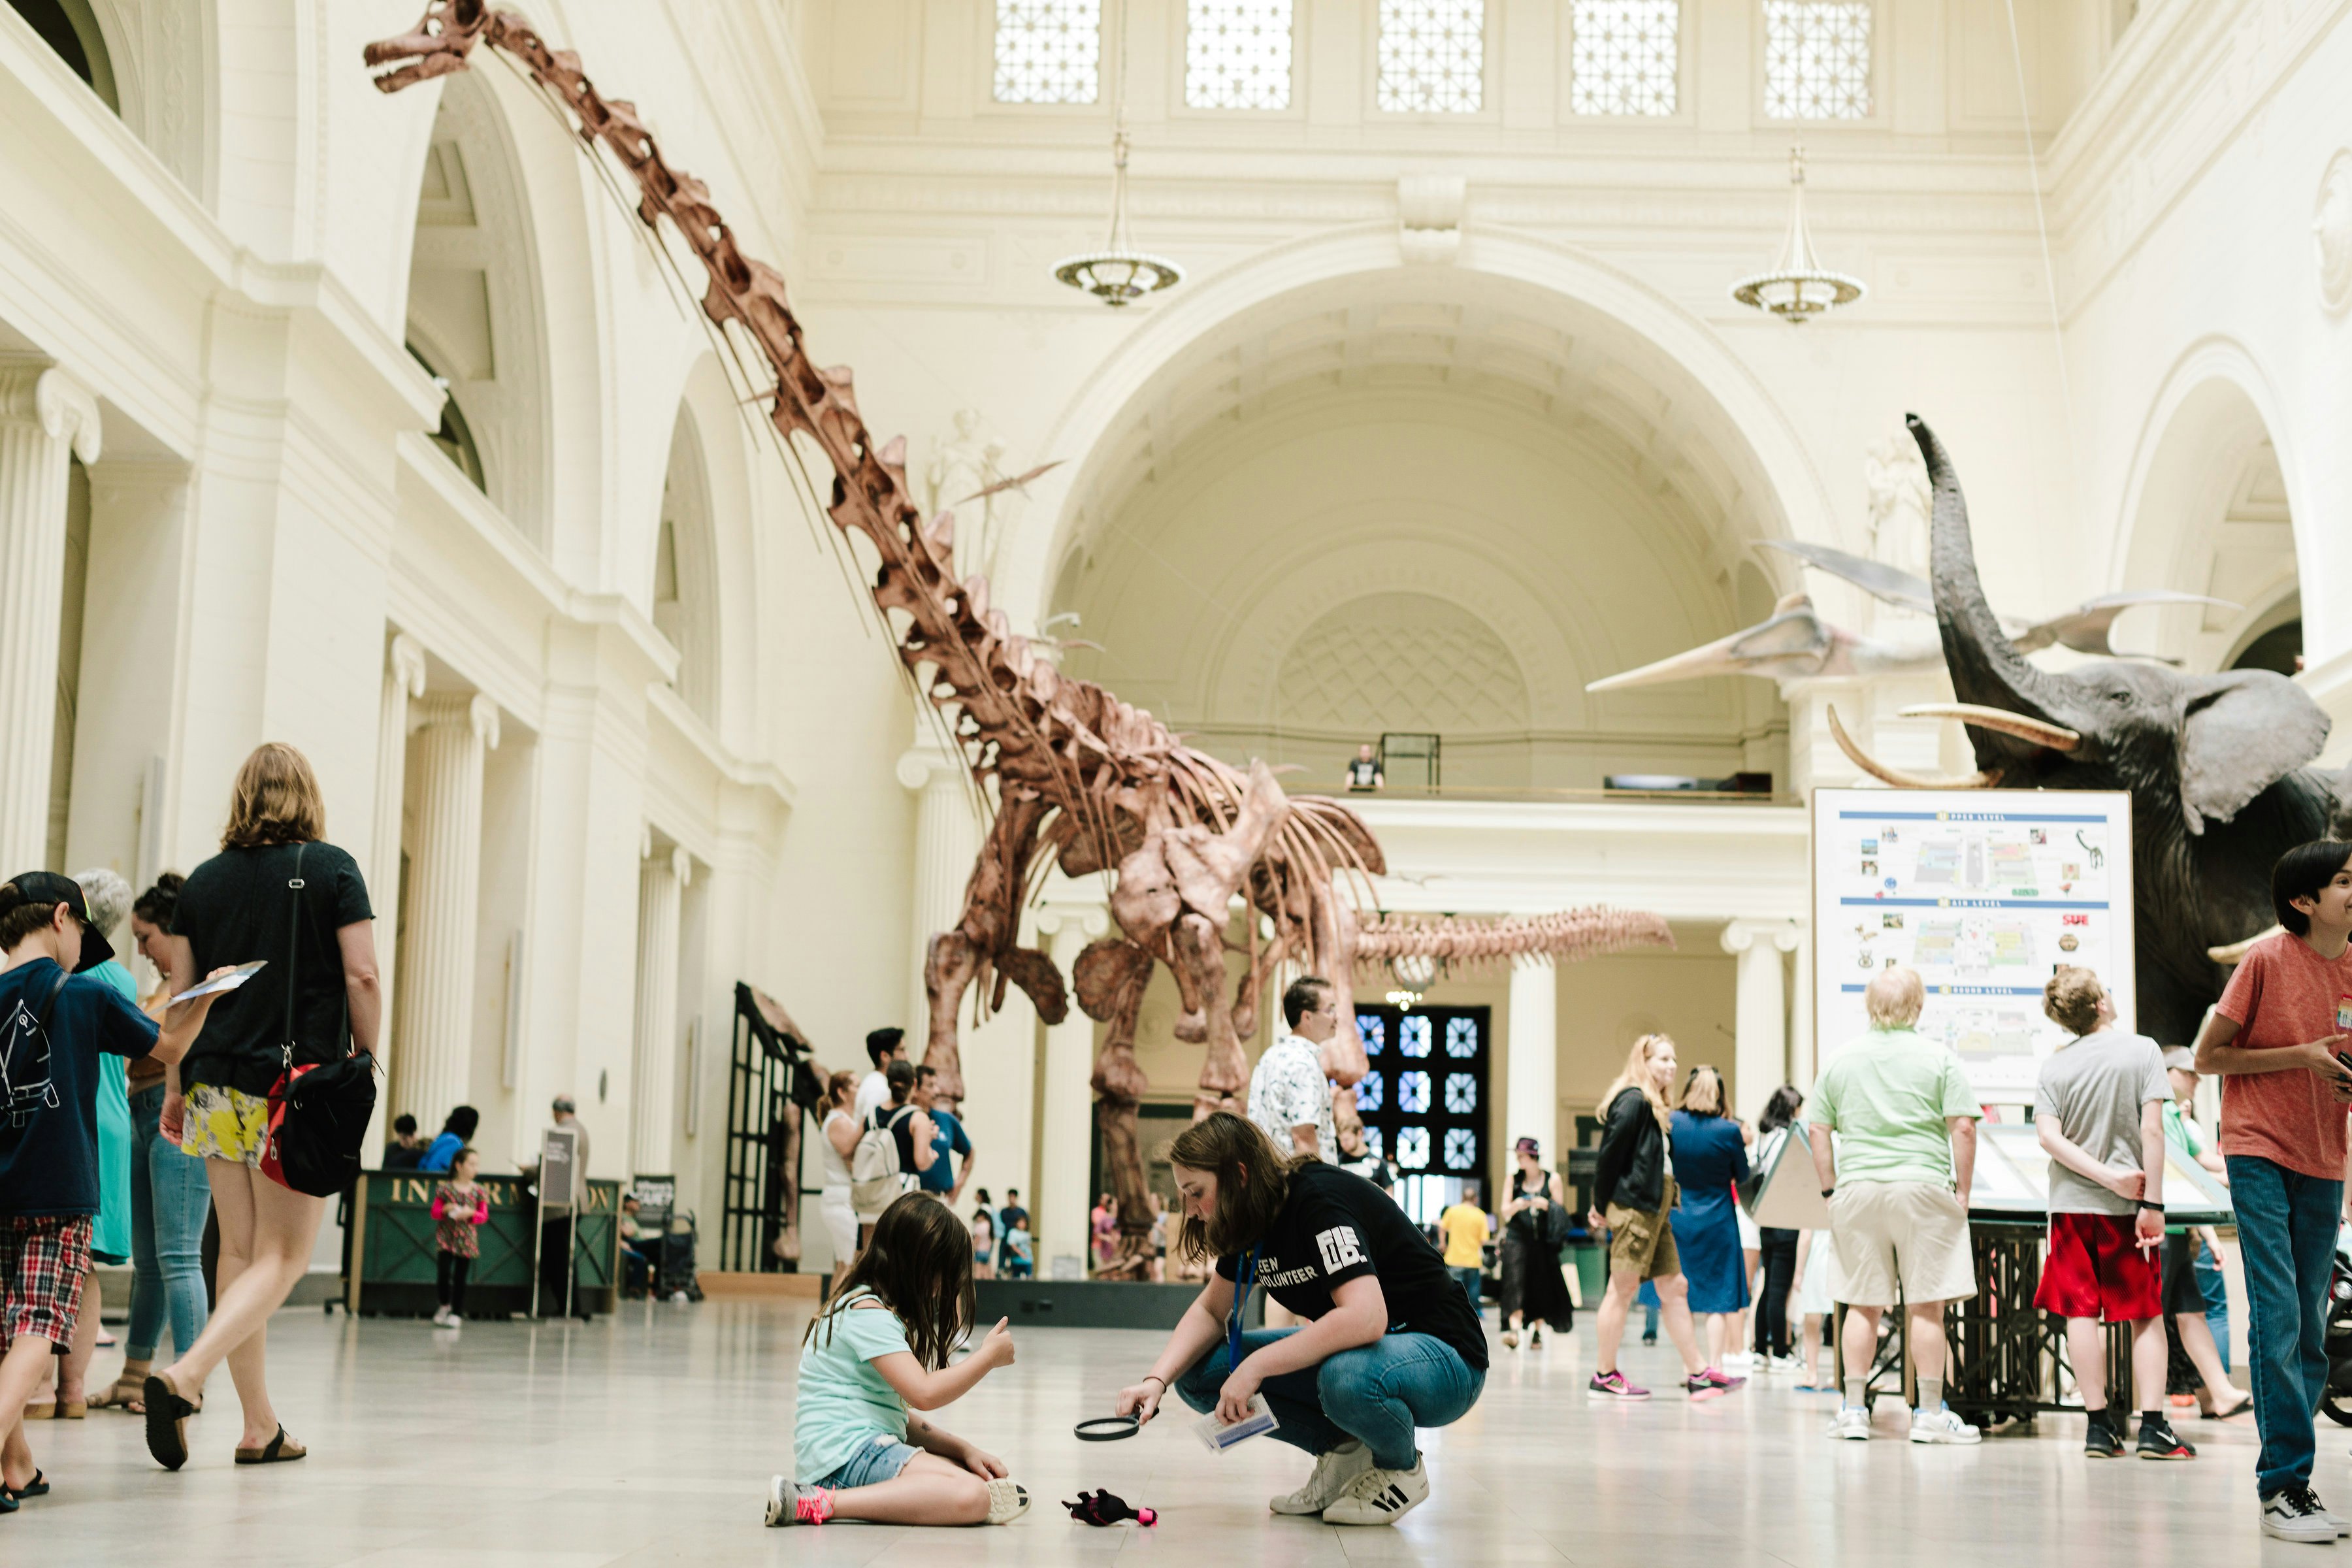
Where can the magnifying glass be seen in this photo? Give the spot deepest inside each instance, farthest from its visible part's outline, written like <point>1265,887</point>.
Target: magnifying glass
<point>1106,1428</point>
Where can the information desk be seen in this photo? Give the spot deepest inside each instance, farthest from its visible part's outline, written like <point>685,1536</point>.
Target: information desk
<point>2006,1357</point>
<point>393,1255</point>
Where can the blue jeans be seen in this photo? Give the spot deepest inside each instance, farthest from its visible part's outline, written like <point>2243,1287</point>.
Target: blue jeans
<point>1472,1284</point>
<point>169,1200</point>
<point>2216,1293</point>
<point>1377,1391</point>
<point>2286,1235</point>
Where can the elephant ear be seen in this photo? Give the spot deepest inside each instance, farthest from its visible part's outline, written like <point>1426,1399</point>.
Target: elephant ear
<point>2241,733</point>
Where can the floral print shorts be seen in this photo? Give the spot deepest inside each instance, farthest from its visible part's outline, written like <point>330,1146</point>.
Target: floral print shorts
<point>225,1124</point>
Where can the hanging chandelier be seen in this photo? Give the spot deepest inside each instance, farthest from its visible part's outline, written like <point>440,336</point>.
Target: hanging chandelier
<point>1800,288</point>
<point>1118,274</point>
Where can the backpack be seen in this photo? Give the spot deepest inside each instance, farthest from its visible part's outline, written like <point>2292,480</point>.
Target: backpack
<point>318,1111</point>
<point>875,1174</point>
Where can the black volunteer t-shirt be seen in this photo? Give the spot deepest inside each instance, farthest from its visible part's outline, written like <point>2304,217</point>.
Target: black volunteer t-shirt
<point>48,1124</point>
<point>1333,1228</point>
<point>236,908</point>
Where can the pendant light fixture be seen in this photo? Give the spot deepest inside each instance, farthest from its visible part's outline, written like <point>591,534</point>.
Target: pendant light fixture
<point>1800,288</point>
<point>1118,274</point>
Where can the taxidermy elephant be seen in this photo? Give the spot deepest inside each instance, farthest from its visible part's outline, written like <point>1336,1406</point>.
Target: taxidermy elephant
<point>2216,764</point>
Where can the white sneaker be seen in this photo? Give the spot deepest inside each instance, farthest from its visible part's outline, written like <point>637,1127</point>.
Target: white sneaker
<point>1737,1361</point>
<point>440,1317</point>
<point>1007,1500</point>
<point>1852,1424</point>
<point>2294,1514</point>
<point>1942,1426</point>
<point>1380,1496</point>
<point>1333,1471</point>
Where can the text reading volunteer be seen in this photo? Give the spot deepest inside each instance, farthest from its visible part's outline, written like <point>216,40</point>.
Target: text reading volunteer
<point>1388,1342</point>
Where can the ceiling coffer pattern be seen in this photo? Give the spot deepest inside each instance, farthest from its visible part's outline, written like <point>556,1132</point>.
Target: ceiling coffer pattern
<point>1400,661</point>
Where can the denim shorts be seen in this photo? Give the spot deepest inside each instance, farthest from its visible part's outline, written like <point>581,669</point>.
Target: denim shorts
<point>878,1461</point>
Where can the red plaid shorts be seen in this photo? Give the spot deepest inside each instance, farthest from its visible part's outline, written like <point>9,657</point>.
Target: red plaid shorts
<point>44,1258</point>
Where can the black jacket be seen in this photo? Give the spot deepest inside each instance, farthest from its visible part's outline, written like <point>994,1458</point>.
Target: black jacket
<point>1631,1168</point>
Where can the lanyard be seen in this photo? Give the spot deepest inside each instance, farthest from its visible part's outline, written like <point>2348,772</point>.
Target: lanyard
<point>1244,1276</point>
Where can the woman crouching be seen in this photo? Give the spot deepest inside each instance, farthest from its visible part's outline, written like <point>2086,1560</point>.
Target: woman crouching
<point>1388,1344</point>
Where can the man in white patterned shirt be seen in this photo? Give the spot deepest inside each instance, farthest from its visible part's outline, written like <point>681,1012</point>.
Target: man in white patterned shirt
<point>1289,1095</point>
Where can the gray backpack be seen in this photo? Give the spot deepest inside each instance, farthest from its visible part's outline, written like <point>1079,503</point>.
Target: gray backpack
<point>875,1174</point>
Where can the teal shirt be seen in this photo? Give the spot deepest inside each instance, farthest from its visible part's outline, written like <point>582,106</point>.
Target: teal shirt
<point>844,1404</point>
<point>110,1232</point>
<point>1886,1095</point>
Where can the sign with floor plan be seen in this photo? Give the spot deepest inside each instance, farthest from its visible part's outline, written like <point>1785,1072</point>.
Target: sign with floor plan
<point>1984,893</point>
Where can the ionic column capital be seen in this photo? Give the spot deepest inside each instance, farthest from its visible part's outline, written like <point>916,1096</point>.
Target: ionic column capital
<point>406,660</point>
<point>1089,921</point>
<point>919,765</point>
<point>34,392</point>
<point>1743,935</point>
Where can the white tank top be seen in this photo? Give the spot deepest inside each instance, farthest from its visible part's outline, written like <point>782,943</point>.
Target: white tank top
<point>837,1169</point>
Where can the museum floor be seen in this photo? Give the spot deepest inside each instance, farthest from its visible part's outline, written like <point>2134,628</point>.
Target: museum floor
<point>649,1437</point>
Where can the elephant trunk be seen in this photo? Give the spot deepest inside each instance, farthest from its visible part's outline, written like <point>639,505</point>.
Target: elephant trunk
<point>1986,668</point>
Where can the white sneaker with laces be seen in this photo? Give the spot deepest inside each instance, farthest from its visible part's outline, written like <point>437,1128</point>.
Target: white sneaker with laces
<point>440,1317</point>
<point>2294,1514</point>
<point>1332,1472</point>
<point>1380,1496</point>
<point>1852,1424</point>
<point>1942,1426</point>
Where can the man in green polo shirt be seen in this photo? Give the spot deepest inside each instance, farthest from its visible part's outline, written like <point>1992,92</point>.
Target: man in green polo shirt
<point>1897,1186</point>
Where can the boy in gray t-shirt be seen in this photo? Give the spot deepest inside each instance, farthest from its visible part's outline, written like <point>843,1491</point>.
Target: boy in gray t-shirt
<point>2099,1109</point>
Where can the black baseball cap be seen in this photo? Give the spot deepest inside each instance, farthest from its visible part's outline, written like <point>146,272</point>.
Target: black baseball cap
<point>50,888</point>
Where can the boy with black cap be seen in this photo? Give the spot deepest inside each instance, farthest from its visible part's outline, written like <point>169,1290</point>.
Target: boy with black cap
<point>52,1029</point>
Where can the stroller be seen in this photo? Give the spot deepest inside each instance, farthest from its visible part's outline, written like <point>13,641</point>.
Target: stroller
<point>2336,1400</point>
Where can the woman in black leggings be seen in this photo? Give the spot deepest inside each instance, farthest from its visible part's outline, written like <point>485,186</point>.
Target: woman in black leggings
<point>1779,1247</point>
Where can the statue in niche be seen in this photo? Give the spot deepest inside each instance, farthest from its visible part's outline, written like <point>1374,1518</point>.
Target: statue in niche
<point>971,463</point>
<point>1899,502</point>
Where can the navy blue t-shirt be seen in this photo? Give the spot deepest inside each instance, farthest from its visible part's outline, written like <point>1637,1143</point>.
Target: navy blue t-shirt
<point>48,1124</point>
<point>948,1137</point>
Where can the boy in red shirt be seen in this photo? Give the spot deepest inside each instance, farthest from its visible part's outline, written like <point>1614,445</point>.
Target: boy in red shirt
<point>2275,1037</point>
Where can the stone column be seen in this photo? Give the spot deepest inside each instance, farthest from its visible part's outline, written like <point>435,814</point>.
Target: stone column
<point>46,418</point>
<point>403,677</point>
<point>1059,1209</point>
<point>1804,1050</point>
<point>1531,1091</point>
<point>437,976</point>
<point>1759,1014</point>
<point>947,840</point>
<point>653,1080</point>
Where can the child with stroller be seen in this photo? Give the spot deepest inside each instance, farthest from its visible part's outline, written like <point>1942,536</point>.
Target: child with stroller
<point>870,1362</point>
<point>461,1205</point>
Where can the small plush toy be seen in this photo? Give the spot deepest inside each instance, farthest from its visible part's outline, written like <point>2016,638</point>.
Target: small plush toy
<point>1102,1507</point>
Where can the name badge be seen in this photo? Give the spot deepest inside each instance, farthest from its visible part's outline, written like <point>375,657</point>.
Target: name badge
<point>2343,1014</point>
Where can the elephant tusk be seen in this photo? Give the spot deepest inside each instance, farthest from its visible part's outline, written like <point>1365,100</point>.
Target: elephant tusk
<point>1886,774</point>
<point>2231,953</point>
<point>2057,737</point>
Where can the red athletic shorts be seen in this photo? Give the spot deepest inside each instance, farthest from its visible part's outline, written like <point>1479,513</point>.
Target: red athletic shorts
<point>2096,1269</point>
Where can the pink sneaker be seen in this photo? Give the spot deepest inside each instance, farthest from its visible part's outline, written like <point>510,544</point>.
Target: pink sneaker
<point>1711,1383</point>
<point>1612,1386</point>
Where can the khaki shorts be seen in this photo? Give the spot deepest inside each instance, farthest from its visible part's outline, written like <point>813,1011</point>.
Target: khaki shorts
<point>1911,1233</point>
<point>1641,1243</point>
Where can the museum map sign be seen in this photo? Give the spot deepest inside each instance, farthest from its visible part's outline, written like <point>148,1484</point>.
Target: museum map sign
<point>1984,893</point>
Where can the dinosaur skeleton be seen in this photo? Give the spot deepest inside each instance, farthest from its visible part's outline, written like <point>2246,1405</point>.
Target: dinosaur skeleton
<point>1079,779</point>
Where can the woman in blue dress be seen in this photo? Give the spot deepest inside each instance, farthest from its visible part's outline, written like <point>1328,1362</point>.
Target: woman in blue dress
<point>1710,1154</point>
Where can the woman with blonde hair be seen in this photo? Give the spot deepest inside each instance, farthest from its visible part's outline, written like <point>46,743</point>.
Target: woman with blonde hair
<point>1632,1194</point>
<point>834,1151</point>
<point>276,893</point>
<point>1710,1157</point>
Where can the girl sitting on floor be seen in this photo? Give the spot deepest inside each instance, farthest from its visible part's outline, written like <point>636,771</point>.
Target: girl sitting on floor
<point>877,1354</point>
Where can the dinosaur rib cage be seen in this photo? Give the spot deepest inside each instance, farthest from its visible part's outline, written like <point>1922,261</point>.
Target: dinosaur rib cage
<point>1067,743</point>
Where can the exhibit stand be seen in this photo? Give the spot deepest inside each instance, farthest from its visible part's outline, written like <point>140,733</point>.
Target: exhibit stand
<point>392,1264</point>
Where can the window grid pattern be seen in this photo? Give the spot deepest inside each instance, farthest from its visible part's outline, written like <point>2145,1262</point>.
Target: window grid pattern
<point>1425,1103</point>
<point>1432,56</point>
<point>1817,60</point>
<point>1627,56</point>
<point>1048,51</point>
<point>1237,54</point>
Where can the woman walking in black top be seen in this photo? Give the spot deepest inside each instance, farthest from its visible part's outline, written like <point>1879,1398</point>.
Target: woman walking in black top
<point>1632,1194</point>
<point>319,940</point>
<point>1774,1345</point>
<point>1387,1342</point>
<point>1535,1222</point>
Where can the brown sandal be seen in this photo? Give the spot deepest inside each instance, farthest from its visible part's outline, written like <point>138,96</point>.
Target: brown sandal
<point>167,1423</point>
<point>124,1393</point>
<point>277,1451</point>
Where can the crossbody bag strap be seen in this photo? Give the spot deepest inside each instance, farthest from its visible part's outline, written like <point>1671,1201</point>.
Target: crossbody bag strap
<point>294,885</point>
<point>49,1007</point>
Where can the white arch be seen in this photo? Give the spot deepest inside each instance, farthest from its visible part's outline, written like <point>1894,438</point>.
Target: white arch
<point>1784,495</point>
<point>2215,405</point>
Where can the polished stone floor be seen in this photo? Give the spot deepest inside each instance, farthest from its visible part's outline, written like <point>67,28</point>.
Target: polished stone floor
<point>649,1438</point>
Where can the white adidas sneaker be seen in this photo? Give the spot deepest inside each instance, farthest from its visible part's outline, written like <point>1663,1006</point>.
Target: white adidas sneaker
<point>1380,1496</point>
<point>1333,1471</point>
